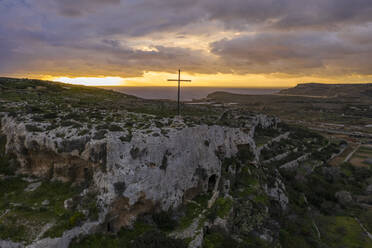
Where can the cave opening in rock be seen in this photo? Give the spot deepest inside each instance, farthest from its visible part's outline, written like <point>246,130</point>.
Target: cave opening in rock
<point>212,182</point>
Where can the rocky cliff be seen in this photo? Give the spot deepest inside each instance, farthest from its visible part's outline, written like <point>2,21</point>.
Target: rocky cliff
<point>156,170</point>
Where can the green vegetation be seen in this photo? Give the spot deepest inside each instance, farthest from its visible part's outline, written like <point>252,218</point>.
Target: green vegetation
<point>365,218</point>
<point>222,207</point>
<point>191,210</point>
<point>342,231</point>
<point>100,135</point>
<point>218,240</point>
<point>28,211</point>
<point>341,109</point>
<point>33,128</point>
<point>336,225</point>
<point>301,141</point>
<point>127,138</point>
<point>362,156</point>
<point>264,135</point>
<point>245,153</point>
<point>164,220</point>
<point>72,105</point>
<point>140,236</point>
<point>323,201</point>
<point>144,234</point>
<point>298,232</point>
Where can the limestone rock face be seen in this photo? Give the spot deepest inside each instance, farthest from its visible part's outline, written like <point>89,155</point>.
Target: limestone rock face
<point>278,193</point>
<point>9,244</point>
<point>44,154</point>
<point>164,171</point>
<point>163,168</point>
<point>149,170</point>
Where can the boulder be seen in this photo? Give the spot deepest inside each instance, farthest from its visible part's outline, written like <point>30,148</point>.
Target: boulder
<point>344,197</point>
<point>68,204</point>
<point>33,186</point>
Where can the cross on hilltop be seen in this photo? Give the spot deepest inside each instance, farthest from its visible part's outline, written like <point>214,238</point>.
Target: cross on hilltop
<point>179,89</point>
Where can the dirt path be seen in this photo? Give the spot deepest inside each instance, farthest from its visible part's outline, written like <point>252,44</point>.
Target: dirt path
<point>5,213</point>
<point>364,229</point>
<point>352,153</point>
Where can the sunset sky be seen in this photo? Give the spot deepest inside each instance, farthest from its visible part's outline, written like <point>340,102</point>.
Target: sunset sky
<point>219,43</point>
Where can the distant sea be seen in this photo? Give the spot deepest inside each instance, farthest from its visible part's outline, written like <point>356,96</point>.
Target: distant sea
<point>187,93</point>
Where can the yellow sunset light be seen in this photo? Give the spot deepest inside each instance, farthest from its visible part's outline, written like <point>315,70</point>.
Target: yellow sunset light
<point>159,79</point>
<point>92,81</point>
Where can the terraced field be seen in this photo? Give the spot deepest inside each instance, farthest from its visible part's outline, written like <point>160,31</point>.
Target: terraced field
<point>362,157</point>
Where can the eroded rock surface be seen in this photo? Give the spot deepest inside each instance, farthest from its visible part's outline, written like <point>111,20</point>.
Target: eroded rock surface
<point>149,172</point>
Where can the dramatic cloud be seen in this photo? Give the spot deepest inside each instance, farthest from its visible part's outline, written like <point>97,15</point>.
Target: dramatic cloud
<point>297,53</point>
<point>291,14</point>
<point>78,7</point>
<point>126,38</point>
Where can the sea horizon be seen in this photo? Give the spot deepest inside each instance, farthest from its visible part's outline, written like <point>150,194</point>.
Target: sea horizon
<point>187,93</point>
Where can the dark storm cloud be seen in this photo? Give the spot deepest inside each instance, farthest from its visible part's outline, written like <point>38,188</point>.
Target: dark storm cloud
<point>93,37</point>
<point>78,7</point>
<point>146,16</point>
<point>291,14</point>
<point>296,53</point>
<point>108,56</point>
<point>276,14</point>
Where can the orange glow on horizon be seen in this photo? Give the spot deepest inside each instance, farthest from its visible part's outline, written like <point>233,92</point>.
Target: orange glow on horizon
<point>159,79</point>
<point>91,81</point>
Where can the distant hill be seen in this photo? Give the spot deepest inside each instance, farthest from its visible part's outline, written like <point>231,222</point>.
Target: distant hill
<point>349,104</point>
<point>329,90</point>
<point>67,96</point>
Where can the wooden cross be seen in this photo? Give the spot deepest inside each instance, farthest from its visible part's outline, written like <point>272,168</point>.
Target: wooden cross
<point>179,88</point>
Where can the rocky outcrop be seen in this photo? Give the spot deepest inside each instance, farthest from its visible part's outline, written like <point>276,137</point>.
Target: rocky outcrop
<point>277,192</point>
<point>190,164</point>
<point>9,244</point>
<point>45,155</point>
<point>133,176</point>
<point>344,197</point>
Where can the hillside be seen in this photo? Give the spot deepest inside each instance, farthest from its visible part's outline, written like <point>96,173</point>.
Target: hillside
<point>349,105</point>
<point>330,90</point>
<point>86,167</point>
<point>53,96</point>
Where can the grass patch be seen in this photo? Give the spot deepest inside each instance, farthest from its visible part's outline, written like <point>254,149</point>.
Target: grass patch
<point>219,239</point>
<point>192,210</point>
<point>261,140</point>
<point>140,236</point>
<point>223,206</point>
<point>29,215</point>
<point>33,128</point>
<point>342,231</point>
<point>366,219</point>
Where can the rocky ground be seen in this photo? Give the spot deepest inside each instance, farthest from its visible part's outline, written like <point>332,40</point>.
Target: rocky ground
<point>85,167</point>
